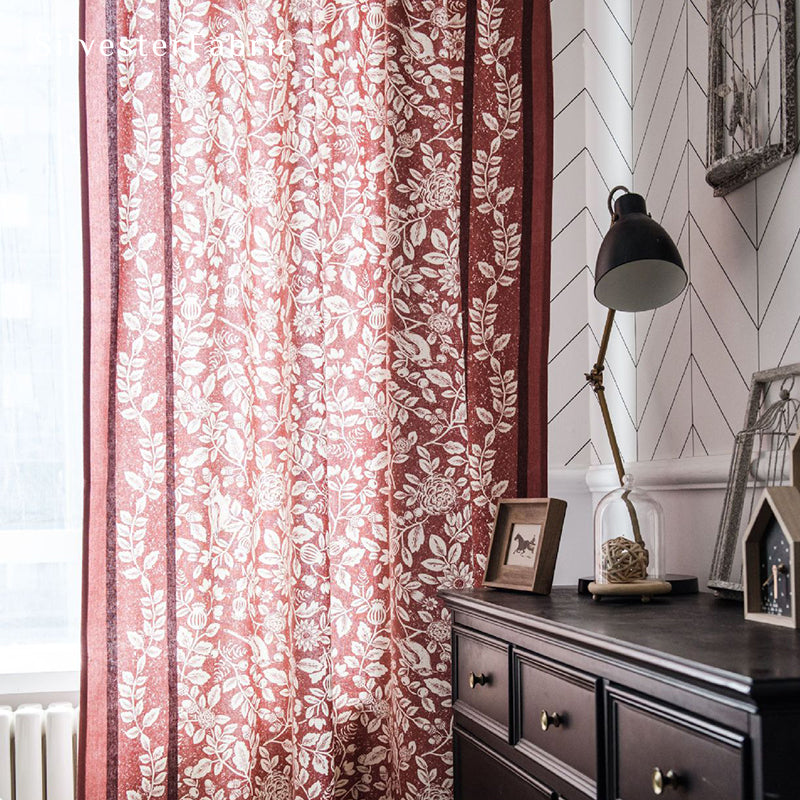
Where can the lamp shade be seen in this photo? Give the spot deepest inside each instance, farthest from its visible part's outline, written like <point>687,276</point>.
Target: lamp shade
<point>638,266</point>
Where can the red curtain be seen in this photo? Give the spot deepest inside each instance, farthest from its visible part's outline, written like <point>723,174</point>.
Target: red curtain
<point>316,357</point>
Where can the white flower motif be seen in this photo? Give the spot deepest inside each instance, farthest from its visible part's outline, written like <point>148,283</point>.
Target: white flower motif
<point>381,708</point>
<point>456,576</point>
<point>257,14</point>
<point>275,787</point>
<point>437,495</point>
<point>199,711</point>
<point>272,275</point>
<point>266,319</point>
<point>302,10</point>
<point>440,322</point>
<point>199,407</point>
<point>374,111</point>
<point>373,409</point>
<point>439,190</point>
<point>307,635</point>
<point>439,17</point>
<point>406,140</point>
<point>435,793</point>
<point>195,97</point>
<point>308,321</point>
<point>269,491</point>
<point>450,278</point>
<point>402,445</point>
<point>274,622</point>
<point>262,186</point>
<point>454,43</point>
<point>439,631</point>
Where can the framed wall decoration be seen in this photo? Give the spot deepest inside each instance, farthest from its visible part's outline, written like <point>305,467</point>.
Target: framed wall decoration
<point>524,545</point>
<point>762,456</point>
<point>752,97</point>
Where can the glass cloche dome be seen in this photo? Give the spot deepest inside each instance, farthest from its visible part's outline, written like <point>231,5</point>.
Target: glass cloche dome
<point>629,544</point>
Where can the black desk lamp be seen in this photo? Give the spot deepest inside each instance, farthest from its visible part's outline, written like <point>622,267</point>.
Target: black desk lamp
<point>638,268</point>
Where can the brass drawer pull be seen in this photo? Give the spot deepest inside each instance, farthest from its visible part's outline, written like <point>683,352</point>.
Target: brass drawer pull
<point>663,781</point>
<point>549,720</point>
<point>477,680</point>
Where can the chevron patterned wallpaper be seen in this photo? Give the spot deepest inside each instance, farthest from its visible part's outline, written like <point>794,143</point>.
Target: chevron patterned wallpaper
<point>630,88</point>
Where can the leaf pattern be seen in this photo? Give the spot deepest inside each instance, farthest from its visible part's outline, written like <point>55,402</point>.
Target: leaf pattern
<point>305,447</point>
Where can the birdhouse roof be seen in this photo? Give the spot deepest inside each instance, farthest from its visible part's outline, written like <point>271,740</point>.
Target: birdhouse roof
<point>781,502</point>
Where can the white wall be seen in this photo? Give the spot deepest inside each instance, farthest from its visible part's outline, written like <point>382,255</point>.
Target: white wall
<point>631,76</point>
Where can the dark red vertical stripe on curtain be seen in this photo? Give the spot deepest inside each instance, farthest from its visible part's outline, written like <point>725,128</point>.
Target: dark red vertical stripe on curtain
<point>506,197</point>
<point>169,379</point>
<point>537,212</point>
<point>108,446</point>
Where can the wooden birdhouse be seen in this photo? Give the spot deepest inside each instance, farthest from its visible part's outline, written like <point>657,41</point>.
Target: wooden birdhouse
<point>771,556</point>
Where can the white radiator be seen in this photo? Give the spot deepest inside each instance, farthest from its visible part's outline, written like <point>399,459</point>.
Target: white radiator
<point>38,752</point>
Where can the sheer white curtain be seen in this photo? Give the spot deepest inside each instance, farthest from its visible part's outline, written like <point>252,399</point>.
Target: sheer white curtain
<point>40,336</point>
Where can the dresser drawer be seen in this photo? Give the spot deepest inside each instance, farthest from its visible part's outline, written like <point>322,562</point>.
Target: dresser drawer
<point>480,666</point>
<point>688,757</point>
<point>481,775</point>
<point>557,718</point>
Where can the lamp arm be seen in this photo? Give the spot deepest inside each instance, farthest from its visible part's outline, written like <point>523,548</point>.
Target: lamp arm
<point>601,356</point>
<point>595,379</point>
<point>612,439</point>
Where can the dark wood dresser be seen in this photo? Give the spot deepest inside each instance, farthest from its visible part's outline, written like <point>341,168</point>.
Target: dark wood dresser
<point>562,697</point>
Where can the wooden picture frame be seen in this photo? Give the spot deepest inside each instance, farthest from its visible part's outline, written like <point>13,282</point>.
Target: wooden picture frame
<point>725,577</point>
<point>781,505</point>
<point>524,545</point>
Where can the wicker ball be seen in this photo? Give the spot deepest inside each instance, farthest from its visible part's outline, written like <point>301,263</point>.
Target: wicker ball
<point>624,560</point>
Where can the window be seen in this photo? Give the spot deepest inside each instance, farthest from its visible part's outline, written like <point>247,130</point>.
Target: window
<point>40,338</point>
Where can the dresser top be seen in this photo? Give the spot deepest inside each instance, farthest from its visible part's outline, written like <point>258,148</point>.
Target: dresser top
<point>696,635</point>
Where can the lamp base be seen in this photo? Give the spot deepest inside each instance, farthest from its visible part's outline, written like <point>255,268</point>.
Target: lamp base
<point>644,589</point>
<point>681,584</point>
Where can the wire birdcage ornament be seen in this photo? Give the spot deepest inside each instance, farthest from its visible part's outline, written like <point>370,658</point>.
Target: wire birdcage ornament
<point>761,457</point>
<point>752,104</point>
